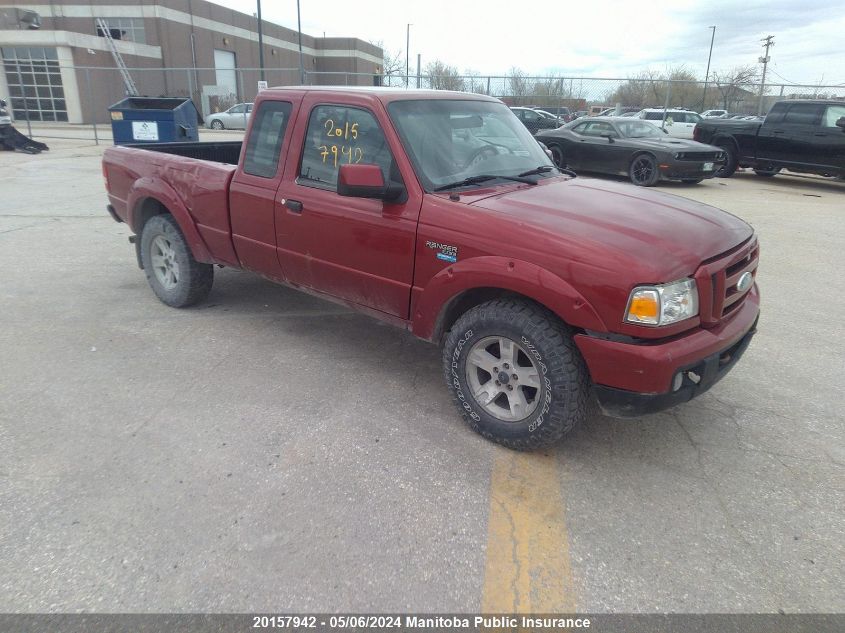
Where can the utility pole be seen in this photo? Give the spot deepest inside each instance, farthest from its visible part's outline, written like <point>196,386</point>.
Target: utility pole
<point>408,56</point>
<point>767,42</point>
<point>260,45</point>
<point>707,72</point>
<point>419,61</point>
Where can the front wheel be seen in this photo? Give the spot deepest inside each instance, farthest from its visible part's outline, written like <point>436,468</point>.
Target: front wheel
<point>172,272</point>
<point>217,124</point>
<point>767,173</point>
<point>643,171</point>
<point>557,156</point>
<point>515,374</point>
<point>729,166</point>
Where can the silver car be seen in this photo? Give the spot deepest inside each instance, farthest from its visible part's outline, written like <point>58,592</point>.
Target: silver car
<point>235,118</point>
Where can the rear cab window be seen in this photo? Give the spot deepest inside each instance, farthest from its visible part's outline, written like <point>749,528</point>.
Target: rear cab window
<point>803,114</point>
<point>265,139</point>
<point>339,135</point>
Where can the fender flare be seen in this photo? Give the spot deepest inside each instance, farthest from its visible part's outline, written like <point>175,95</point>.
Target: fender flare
<point>723,137</point>
<point>155,188</point>
<point>505,273</point>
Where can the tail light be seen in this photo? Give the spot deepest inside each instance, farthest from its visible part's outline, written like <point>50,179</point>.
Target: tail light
<point>696,133</point>
<point>106,178</point>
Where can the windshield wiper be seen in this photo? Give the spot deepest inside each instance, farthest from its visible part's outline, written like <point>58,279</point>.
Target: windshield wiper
<point>542,169</point>
<point>474,180</point>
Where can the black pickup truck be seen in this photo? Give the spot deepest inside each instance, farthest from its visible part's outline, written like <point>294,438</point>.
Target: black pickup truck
<point>798,135</point>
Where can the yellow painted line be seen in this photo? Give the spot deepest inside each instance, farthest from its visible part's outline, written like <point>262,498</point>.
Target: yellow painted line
<point>528,568</point>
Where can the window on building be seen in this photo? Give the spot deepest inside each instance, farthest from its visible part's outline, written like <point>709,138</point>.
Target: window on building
<point>127,29</point>
<point>35,83</point>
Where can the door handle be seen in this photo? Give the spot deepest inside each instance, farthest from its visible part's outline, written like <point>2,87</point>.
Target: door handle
<point>294,205</point>
<point>777,131</point>
<point>819,134</point>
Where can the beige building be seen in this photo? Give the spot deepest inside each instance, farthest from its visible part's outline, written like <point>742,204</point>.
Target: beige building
<point>57,64</point>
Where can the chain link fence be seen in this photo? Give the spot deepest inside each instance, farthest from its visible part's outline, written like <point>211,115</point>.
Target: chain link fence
<point>54,102</point>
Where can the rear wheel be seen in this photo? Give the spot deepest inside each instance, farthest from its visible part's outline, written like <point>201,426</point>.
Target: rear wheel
<point>729,167</point>
<point>217,124</point>
<point>767,173</point>
<point>172,272</point>
<point>515,374</point>
<point>643,171</point>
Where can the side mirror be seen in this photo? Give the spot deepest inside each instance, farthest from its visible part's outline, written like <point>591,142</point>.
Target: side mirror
<point>609,138</point>
<point>365,181</point>
<point>840,122</point>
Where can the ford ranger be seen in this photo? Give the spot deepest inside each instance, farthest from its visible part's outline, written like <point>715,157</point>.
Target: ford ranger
<point>440,213</point>
<point>798,135</point>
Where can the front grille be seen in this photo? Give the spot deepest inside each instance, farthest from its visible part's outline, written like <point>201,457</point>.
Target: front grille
<point>717,280</point>
<point>699,156</point>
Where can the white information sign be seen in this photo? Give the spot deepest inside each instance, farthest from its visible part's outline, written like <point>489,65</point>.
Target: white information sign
<point>262,85</point>
<point>145,130</point>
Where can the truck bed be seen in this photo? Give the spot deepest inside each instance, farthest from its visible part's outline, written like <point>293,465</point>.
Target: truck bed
<point>194,177</point>
<point>218,151</point>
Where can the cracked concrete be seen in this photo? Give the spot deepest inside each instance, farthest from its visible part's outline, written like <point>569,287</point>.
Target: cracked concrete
<point>268,451</point>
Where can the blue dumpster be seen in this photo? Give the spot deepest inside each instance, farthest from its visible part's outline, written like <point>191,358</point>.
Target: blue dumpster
<point>154,120</point>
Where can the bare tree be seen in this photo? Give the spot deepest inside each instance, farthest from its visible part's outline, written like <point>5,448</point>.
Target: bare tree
<point>548,91</point>
<point>651,87</point>
<point>735,85</point>
<point>393,63</point>
<point>519,86</point>
<point>474,82</point>
<point>443,77</point>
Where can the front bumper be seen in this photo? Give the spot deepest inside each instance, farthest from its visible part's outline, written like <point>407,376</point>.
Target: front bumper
<point>687,170</point>
<point>635,379</point>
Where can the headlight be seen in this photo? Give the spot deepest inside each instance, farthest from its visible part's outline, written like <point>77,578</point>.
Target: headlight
<point>679,155</point>
<point>663,304</point>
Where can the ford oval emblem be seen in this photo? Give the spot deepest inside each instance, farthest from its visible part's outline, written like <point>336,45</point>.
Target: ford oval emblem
<point>745,282</point>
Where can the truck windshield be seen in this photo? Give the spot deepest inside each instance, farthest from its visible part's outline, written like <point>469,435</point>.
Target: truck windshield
<point>456,140</point>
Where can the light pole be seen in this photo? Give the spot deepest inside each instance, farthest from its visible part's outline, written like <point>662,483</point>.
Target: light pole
<point>299,34</point>
<point>408,56</point>
<point>260,45</point>
<point>707,72</point>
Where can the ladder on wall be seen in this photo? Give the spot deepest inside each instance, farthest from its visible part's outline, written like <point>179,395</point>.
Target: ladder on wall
<point>129,84</point>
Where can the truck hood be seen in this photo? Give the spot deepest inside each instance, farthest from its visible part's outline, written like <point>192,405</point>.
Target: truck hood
<point>661,235</point>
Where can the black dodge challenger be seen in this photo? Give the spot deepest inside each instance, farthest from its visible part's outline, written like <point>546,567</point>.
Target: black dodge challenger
<point>631,147</point>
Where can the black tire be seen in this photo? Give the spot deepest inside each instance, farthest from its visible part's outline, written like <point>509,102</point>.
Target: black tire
<point>767,173</point>
<point>193,280</point>
<point>561,400</point>
<point>691,181</point>
<point>217,124</point>
<point>643,170</point>
<point>557,156</point>
<point>727,170</point>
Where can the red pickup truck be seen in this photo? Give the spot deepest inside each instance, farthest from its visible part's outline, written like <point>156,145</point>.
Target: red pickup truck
<point>438,212</point>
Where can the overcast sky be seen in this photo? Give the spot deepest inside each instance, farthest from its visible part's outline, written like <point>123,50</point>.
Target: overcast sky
<point>596,38</point>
